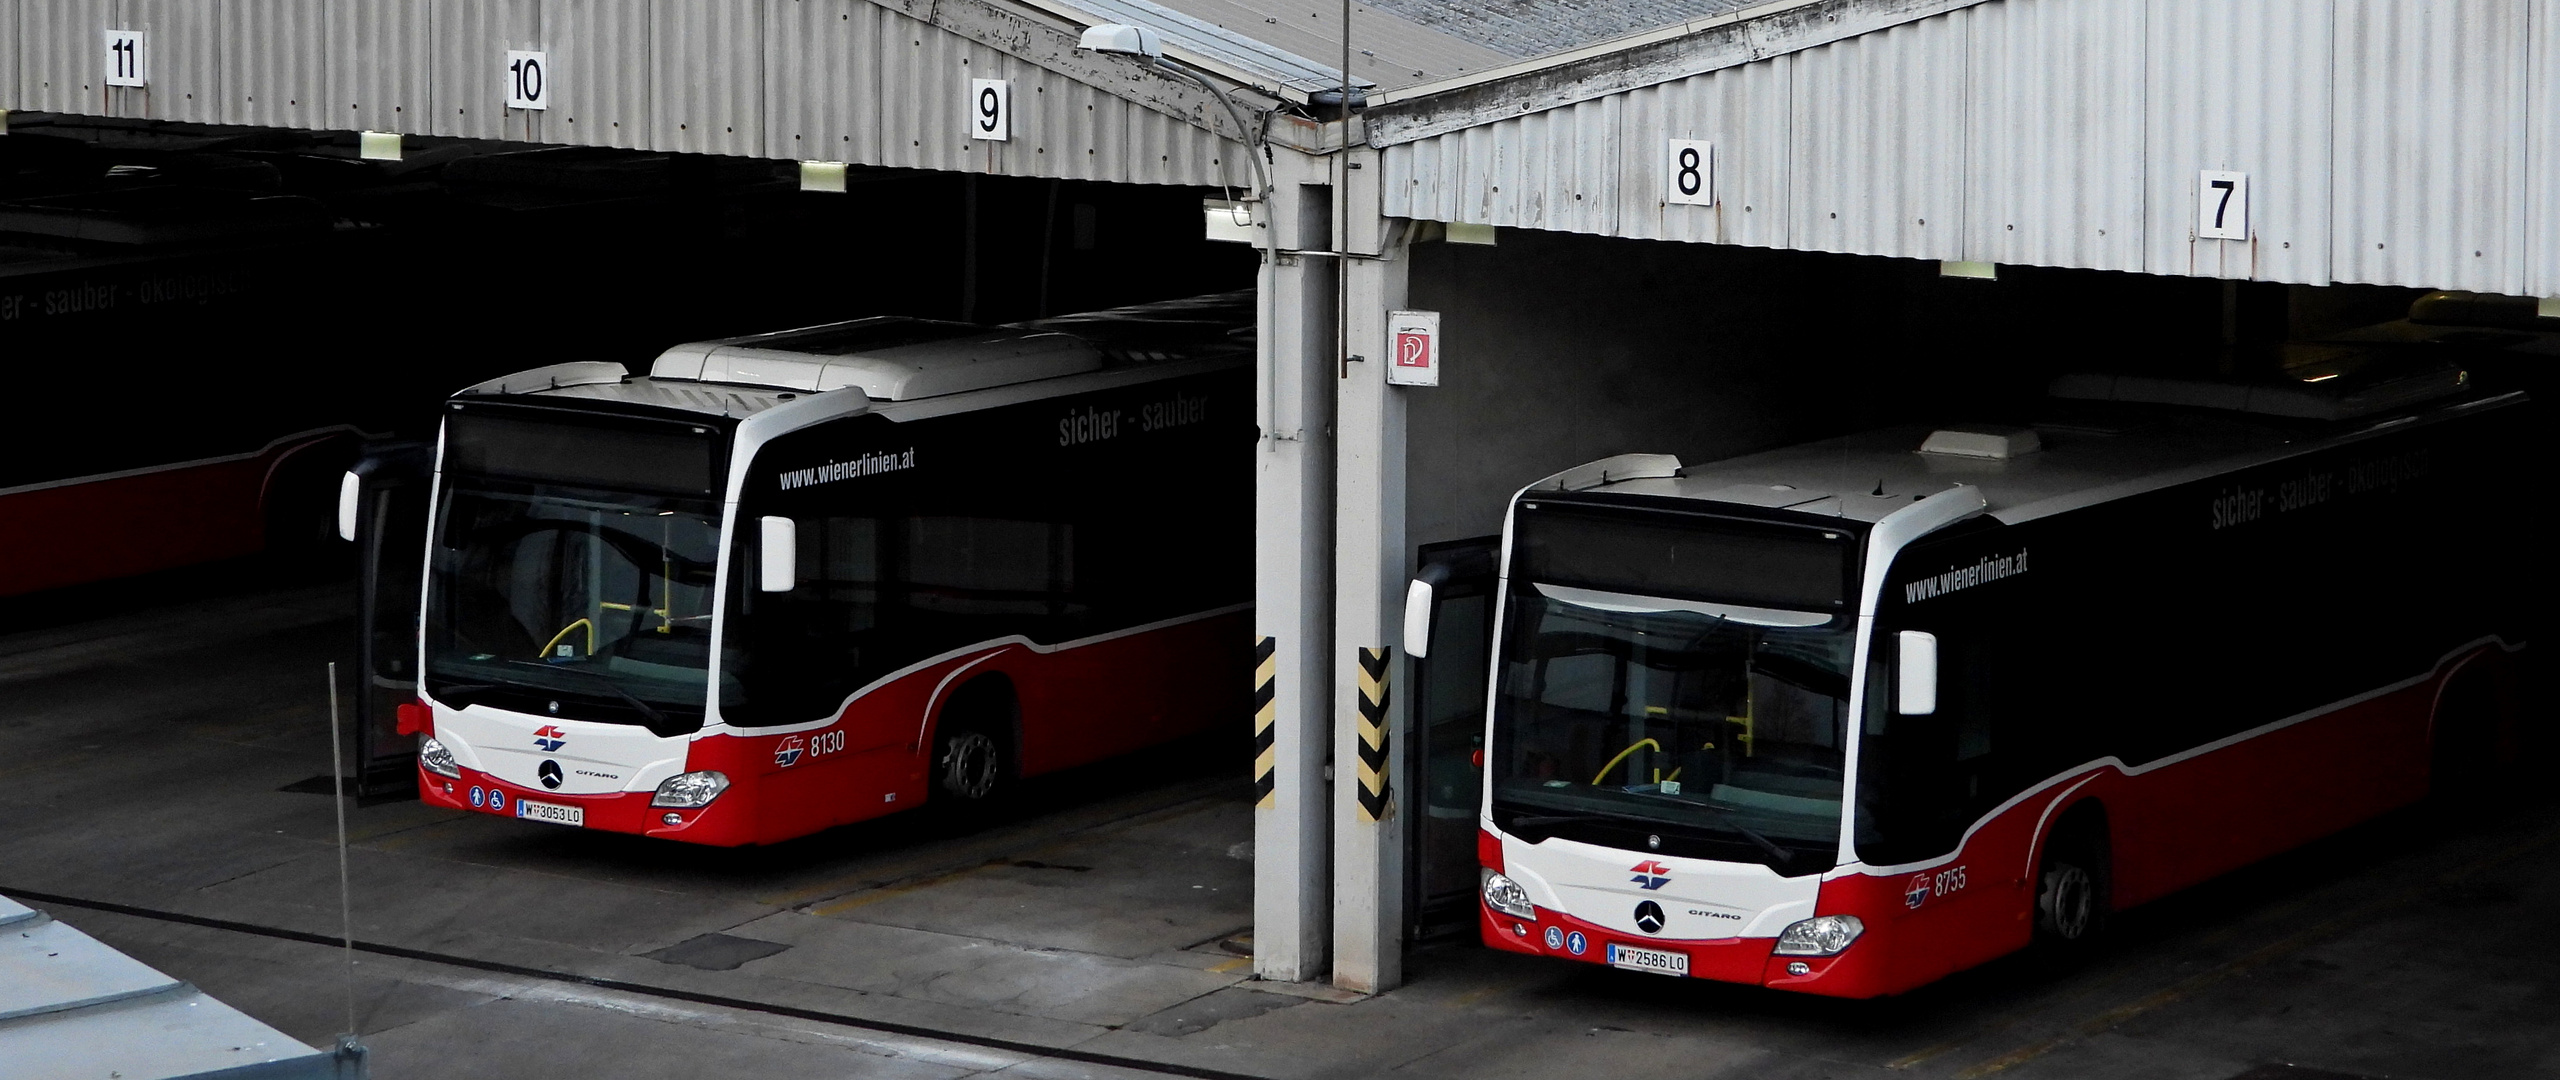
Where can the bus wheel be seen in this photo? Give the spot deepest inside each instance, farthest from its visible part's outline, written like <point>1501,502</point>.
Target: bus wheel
<point>968,765</point>
<point>973,753</point>
<point>2072,885</point>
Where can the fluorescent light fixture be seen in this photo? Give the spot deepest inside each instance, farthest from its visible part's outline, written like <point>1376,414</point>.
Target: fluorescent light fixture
<point>378,145</point>
<point>825,176</point>
<point>1228,220</point>
<point>1979,270</point>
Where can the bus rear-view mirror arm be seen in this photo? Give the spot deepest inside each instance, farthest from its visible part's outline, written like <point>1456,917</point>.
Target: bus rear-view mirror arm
<point>1915,691</point>
<point>777,556</point>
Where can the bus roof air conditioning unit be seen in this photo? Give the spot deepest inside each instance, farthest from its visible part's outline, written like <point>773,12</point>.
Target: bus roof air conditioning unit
<point>1989,444</point>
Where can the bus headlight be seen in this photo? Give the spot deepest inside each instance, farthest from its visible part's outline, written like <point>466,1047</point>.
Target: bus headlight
<point>437,759</point>
<point>687,791</point>
<point>1506,896</point>
<point>1821,935</point>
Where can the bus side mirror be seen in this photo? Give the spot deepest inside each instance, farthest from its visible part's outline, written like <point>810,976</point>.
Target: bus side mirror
<point>1417,619</point>
<point>350,489</point>
<point>777,560</point>
<point>1916,680</point>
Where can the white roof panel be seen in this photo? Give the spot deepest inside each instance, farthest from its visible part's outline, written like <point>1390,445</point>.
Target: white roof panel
<point>72,1007</point>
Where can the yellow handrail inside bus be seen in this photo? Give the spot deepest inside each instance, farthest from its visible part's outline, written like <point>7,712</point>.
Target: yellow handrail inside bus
<point>564,632</point>
<point>1622,756</point>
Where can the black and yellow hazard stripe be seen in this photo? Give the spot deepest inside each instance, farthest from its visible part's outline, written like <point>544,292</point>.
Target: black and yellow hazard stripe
<point>1374,788</point>
<point>1266,668</point>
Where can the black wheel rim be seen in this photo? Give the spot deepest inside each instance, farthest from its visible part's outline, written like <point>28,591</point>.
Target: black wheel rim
<point>969,765</point>
<point>2069,901</point>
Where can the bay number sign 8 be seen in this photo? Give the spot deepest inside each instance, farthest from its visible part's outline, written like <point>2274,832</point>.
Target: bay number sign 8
<point>528,79</point>
<point>2222,205</point>
<point>1689,173</point>
<point>124,58</point>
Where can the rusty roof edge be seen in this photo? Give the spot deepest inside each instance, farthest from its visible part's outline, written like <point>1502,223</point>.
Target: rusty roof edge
<point>1039,33</point>
<point>1633,62</point>
<point>1235,57</point>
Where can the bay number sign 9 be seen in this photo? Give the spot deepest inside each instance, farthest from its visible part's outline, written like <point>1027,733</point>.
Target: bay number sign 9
<point>528,79</point>
<point>991,109</point>
<point>124,58</point>
<point>1689,173</point>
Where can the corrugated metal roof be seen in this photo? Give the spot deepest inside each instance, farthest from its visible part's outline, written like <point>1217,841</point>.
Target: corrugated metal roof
<point>1526,28</point>
<point>1258,61</point>
<point>1388,50</point>
<point>72,1007</point>
<point>2400,142</point>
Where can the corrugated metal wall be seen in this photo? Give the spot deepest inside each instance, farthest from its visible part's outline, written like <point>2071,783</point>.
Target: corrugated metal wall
<point>833,80</point>
<point>9,55</point>
<point>2233,86</point>
<point>2409,142</point>
<point>2542,153</point>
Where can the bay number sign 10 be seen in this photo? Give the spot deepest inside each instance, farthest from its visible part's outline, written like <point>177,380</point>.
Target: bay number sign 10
<point>528,79</point>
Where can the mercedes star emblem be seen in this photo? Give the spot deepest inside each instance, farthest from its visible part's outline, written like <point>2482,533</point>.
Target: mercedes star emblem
<point>550,774</point>
<point>1648,917</point>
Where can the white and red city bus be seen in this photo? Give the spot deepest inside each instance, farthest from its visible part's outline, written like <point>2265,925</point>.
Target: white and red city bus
<point>794,580</point>
<point>1848,717</point>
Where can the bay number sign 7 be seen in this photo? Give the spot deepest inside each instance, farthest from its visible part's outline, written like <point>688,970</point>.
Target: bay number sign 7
<point>2222,205</point>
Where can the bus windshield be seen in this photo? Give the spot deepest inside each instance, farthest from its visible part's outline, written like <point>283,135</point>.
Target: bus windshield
<point>573,602</point>
<point>1716,729</point>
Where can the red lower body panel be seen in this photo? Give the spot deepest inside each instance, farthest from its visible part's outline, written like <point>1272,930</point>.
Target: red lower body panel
<point>101,529</point>
<point>719,824</point>
<point>2169,826</point>
<point>1077,704</point>
<point>118,526</point>
<point>1725,960</point>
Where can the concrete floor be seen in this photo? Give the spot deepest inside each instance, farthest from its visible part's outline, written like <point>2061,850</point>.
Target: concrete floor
<point>144,732</point>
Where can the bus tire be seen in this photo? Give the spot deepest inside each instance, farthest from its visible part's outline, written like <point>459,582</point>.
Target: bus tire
<point>2074,881</point>
<point>973,757</point>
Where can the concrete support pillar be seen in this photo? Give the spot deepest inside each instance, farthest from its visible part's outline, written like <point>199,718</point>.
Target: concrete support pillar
<point>1370,816</point>
<point>1293,582</point>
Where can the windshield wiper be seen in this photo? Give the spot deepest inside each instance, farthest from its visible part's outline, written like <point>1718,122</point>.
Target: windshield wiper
<point>1781,854</point>
<point>1751,834</point>
<point>651,717</point>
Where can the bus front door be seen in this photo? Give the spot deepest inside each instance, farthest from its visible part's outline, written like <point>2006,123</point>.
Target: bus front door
<point>1447,706</point>
<point>392,484</point>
